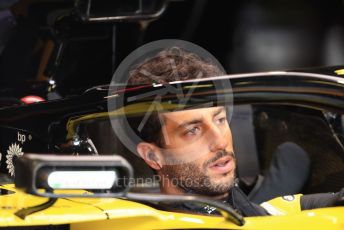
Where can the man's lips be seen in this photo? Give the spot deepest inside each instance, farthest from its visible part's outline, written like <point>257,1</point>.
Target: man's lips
<point>223,165</point>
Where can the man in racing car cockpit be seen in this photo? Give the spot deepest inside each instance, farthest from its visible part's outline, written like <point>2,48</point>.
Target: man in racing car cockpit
<point>192,150</point>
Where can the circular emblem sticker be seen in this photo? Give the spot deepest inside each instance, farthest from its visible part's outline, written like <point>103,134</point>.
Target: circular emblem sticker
<point>14,150</point>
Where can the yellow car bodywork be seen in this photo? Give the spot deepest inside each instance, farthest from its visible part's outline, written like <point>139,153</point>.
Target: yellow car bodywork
<point>113,213</point>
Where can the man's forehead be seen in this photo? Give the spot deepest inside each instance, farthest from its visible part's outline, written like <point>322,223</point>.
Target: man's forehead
<point>180,116</point>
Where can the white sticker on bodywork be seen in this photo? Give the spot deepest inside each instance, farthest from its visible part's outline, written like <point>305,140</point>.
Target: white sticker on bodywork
<point>288,198</point>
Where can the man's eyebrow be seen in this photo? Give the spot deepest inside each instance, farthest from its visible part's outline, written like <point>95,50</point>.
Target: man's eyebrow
<point>218,111</point>
<point>199,120</point>
<point>192,122</point>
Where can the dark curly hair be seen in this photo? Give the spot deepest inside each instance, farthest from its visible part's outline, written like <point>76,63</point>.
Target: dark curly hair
<point>173,64</point>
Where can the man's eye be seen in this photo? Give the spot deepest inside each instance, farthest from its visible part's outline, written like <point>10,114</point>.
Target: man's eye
<point>221,120</point>
<point>192,131</point>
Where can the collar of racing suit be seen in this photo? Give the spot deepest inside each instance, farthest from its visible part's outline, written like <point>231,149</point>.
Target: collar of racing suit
<point>236,199</point>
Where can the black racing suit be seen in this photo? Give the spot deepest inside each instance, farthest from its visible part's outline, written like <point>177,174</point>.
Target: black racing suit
<point>239,201</point>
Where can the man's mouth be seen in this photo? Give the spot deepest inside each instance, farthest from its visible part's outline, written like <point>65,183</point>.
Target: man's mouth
<point>223,165</point>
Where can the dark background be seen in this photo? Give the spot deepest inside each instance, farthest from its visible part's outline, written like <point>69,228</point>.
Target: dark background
<point>245,36</point>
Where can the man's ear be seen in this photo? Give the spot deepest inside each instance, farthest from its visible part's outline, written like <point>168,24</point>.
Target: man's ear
<point>150,153</point>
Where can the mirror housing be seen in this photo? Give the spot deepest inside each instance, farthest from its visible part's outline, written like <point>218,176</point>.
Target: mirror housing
<point>57,176</point>
<point>119,10</point>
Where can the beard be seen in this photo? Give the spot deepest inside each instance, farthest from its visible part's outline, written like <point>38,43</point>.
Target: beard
<point>193,178</point>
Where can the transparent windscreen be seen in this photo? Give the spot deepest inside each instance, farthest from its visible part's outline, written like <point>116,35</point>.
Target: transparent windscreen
<point>303,144</point>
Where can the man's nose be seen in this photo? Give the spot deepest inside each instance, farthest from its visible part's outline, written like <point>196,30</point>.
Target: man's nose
<point>218,139</point>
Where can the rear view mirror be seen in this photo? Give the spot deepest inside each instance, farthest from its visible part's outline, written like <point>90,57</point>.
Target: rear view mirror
<point>69,176</point>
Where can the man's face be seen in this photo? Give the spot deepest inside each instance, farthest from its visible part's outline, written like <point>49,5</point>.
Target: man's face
<point>198,151</point>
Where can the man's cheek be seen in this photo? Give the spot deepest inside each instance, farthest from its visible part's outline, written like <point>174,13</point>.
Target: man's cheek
<point>187,151</point>
<point>197,151</point>
<point>191,155</point>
